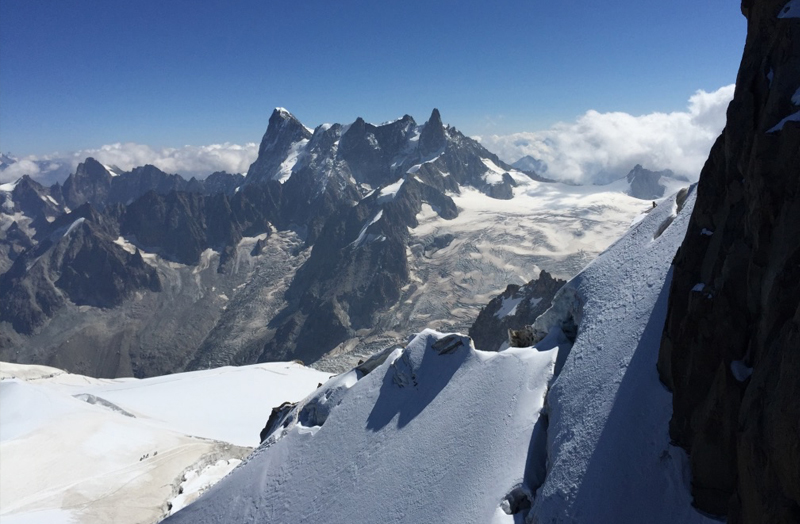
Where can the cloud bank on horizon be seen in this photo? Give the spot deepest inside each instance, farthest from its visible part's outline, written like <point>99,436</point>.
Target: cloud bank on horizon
<point>188,161</point>
<point>600,147</point>
<point>596,148</point>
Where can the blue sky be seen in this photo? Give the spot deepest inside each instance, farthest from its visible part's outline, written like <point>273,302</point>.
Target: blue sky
<point>79,74</point>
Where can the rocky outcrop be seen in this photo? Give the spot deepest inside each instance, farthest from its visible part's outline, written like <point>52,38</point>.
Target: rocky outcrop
<point>79,262</point>
<point>284,132</point>
<point>516,307</point>
<point>730,350</point>
<point>15,240</point>
<point>277,418</point>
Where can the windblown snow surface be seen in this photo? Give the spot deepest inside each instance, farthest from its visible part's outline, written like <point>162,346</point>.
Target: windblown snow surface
<point>607,442</point>
<point>442,432</point>
<point>83,450</point>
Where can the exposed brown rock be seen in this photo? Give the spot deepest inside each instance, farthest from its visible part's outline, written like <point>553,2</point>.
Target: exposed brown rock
<point>731,345</point>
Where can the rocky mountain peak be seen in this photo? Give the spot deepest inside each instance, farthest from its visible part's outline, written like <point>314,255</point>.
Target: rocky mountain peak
<point>33,199</point>
<point>645,183</point>
<point>282,123</point>
<point>433,137</point>
<point>26,183</point>
<point>92,169</point>
<point>530,164</point>
<point>284,132</point>
<point>91,182</point>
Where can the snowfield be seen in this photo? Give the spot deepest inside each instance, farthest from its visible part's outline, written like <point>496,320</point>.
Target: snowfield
<point>83,450</point>
<point>443,432</point>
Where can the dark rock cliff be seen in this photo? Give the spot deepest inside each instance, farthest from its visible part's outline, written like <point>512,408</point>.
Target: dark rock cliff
<point>356,269</point>
<point>515,308</point>
<point>91,182</point>
<point>79,261</point>
<point>730,350</point>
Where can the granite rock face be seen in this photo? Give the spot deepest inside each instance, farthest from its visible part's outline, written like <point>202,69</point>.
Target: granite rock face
<point>516,307</point>
<point>79,262</point>
<point>356,269</point>
<point>730,350</point>
<point>91,182</point>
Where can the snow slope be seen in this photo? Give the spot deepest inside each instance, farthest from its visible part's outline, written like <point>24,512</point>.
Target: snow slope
<point>85,450</point>
<point>434,434</point>
<point>607,444</point>
<point>454,434</point>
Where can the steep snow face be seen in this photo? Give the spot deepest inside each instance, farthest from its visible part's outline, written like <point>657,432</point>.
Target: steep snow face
<point>609,454</point>
<point>286,167</point>
<point>439,432</point>
<point>83,450</point>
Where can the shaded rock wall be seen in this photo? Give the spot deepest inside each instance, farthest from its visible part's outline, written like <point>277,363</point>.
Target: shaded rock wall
<point>730,350</point>
<point>515,308</point>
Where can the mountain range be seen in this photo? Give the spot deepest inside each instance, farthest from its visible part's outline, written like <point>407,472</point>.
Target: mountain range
<point>338,241</point>
<point>657,382</point>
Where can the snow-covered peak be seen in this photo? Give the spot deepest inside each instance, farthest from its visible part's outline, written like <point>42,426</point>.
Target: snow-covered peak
<point>282,111</point>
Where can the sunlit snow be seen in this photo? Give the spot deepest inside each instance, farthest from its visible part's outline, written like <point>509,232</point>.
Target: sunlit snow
<point>86,450</point>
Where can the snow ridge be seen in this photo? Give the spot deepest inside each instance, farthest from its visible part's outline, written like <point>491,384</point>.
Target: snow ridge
<point>607,442</point>
<point>406,442</point>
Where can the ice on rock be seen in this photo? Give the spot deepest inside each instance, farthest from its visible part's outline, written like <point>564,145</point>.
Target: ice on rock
<point>790,10</point>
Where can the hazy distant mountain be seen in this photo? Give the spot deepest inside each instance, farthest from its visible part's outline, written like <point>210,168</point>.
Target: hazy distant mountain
<point>530,164</point>
<point>45,171</point>
<point>652,185</point>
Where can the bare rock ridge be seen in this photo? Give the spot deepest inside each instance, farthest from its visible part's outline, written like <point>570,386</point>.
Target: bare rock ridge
<point>730,350</point>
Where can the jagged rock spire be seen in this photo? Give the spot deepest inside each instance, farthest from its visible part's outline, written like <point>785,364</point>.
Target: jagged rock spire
<point>283,131</point>
<point>433,137</point>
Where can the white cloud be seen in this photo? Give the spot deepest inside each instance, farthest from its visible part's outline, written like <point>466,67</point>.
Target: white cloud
<point>596,148</point>
<point>188,161</point>
<point>198,161</point>
<point>599,147</point>
<point>44,169</point>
